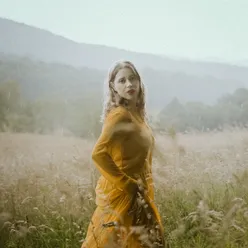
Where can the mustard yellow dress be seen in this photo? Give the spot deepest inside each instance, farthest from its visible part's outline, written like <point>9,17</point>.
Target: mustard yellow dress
<point>123,155</point>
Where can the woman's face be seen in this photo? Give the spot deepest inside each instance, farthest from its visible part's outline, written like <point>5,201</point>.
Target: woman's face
<point>127,84</point>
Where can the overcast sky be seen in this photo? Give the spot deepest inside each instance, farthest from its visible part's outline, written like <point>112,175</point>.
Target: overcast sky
<point>195,29</point>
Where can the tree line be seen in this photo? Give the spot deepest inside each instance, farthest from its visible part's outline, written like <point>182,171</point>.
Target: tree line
<point>48,115</point>
<point>81,116</point>
<point>229,110</point>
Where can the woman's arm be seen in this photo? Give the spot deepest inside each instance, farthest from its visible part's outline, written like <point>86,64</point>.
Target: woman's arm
<point>115,127</point>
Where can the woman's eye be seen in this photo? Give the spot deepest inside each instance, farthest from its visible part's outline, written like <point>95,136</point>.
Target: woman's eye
<point>122,80</point>
<point>132,78</point>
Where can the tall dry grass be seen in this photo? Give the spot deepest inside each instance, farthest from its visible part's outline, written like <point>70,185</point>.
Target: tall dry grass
<point>47,189</point>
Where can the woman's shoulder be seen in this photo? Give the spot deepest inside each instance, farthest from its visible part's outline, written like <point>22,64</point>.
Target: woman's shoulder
<point>119,121</point>
<point>118,114</point>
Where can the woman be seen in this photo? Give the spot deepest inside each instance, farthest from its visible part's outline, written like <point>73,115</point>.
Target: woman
<point>126,215</point>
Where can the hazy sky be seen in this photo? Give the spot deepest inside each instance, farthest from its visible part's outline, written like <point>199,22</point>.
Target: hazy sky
<point>197,29</point>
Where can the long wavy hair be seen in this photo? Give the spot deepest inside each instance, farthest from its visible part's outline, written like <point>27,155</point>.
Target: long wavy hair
<point>113,99</point>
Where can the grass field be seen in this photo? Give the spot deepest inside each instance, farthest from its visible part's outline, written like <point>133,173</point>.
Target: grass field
<point>47,189</point>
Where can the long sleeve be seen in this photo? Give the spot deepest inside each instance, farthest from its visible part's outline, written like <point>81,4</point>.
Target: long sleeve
<point>115,127</point>
<point>150,177</point>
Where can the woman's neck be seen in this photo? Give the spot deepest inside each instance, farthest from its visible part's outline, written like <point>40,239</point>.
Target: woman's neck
<point>132,106</point>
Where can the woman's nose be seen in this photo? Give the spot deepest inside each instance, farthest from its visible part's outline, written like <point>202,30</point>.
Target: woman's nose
<point>129,83</point>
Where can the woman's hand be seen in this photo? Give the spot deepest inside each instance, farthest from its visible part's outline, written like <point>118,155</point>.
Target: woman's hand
<point>139,201</point>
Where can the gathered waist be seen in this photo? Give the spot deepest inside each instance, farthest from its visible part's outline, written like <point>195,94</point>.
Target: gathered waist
<point>106,191</point>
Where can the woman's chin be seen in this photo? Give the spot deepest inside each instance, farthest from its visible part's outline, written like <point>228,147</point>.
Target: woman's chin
<point>130,97</point>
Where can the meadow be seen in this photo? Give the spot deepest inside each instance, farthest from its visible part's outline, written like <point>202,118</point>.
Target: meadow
<point>47,189</point>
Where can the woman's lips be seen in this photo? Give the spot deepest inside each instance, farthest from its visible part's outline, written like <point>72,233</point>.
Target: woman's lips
<point>131,91</point>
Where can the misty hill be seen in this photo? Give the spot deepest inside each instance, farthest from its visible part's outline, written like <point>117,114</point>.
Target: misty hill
<point>23,40</point>
<point>47,64</point>
<point>49,98</point>
<point>39,79</point>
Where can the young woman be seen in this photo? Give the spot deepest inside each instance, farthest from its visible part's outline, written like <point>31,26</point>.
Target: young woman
<point>126,215</point>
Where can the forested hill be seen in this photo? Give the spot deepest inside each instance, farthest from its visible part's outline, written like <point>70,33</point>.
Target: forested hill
<point>49,82</point>
<point>23,40</point>
<point>39,79</point>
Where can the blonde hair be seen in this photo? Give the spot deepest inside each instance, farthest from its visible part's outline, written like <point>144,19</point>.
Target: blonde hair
<point>112,98</point>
